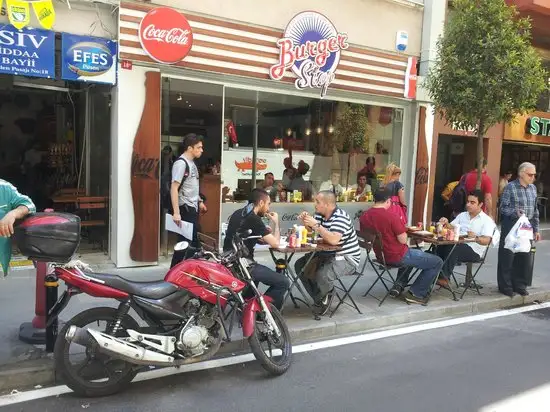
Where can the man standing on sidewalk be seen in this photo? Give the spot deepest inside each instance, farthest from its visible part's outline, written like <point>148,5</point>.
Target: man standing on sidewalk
<point>518,198</point>
<point>184,191</point>
<point>13,206</point>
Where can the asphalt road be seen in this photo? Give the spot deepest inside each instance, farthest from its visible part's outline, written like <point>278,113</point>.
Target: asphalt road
<point>459,368</point>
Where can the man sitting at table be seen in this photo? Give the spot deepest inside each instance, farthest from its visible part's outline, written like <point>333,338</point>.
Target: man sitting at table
<point>336,228</point>
<point>250,218</point>
<point>475,224</point>
<point>396,252</point>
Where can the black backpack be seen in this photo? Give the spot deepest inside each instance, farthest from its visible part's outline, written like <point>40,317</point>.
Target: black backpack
<point>166,184</point>
<point>459,196</point>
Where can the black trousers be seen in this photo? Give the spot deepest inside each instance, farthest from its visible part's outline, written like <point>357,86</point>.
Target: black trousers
<point>278,284</point>
<point>512,267</point>
<point>188,214</point>
<point>461,253</point>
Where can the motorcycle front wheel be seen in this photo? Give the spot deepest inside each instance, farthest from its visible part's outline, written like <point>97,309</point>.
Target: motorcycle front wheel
<point>96,374</point>
<point>273,352</point>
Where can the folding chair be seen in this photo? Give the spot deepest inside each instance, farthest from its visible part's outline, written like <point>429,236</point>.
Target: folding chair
<point>346,296</point>
<point>368,239</point>
<point>469,277</point>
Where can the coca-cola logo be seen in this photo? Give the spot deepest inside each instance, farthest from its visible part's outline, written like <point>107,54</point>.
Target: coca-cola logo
<point>143,167</point>
<point>289,217</point>
<point>165,35</point>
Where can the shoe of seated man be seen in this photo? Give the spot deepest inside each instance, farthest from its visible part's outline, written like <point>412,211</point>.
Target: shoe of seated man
<point>411,298</point>
<point>396,291</point>
<point>324,304</point>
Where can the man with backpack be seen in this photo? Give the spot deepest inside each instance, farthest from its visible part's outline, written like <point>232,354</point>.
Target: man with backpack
<point>186,200</point>
<point>467,184</point>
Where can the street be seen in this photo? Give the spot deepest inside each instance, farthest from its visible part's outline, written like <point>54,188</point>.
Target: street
<point>465,367</point>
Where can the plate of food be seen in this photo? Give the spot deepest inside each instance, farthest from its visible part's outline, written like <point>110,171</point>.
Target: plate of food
<point>413,228</point>
<point>424,233</point>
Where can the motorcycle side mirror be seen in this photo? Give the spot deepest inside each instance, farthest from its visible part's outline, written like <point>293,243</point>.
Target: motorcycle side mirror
<point>181,246</point>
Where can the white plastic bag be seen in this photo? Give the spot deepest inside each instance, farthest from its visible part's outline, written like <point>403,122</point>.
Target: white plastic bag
<point>520,237</point>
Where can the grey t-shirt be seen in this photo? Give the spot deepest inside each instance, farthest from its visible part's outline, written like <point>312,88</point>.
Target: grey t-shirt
<point>189,190</point>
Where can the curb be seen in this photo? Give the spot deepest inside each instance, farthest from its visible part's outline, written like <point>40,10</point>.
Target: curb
<point>31,373</point>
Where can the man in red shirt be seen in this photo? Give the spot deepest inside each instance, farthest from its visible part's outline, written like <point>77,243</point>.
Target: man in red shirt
<point>396,252</point>
<point>486,186</point>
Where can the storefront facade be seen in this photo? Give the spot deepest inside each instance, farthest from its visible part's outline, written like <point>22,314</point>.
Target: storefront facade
<point>236,79</point>
<point>453,151</point>
<point>58,65</point>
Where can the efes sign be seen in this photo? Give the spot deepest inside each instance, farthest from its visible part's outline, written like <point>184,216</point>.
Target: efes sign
<point>88,59</point>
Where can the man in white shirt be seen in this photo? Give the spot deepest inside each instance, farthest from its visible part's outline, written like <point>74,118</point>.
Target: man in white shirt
<point>332,185</point>
<point>475,224</point>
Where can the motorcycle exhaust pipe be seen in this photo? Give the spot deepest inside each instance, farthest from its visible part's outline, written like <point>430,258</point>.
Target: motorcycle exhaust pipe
<point>117,348</point>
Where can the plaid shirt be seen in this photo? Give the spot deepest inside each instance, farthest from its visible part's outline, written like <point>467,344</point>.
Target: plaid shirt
<point>516,197</point>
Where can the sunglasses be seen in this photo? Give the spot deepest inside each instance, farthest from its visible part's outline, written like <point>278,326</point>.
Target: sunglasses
<point>531,174</point>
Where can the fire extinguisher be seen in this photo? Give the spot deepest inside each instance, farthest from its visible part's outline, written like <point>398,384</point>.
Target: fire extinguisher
<point>232,133</point>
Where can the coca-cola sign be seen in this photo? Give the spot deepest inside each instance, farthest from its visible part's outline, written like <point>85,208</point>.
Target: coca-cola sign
<point>165,35</point>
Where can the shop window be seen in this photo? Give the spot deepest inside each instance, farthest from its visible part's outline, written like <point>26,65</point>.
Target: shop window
<point>305,145</point>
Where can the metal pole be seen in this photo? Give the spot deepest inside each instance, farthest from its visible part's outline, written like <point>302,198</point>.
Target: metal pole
<point>51,283</point>
<point>255,141</point>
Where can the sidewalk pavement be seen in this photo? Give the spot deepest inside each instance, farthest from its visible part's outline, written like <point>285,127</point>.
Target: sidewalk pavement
<point>23,365</point>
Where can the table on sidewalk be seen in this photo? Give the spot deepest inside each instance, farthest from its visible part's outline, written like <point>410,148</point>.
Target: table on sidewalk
<point>421,236</point>
<point>294,277</point>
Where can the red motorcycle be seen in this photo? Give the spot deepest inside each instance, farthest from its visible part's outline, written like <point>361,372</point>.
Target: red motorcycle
<point>187,316</point>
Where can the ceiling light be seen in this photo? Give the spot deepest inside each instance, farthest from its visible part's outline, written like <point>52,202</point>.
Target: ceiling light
<point>180,98</point>
<point>308,131</point>
<point>331,129</point>
<point>289,132</point>
<point>319,130</point>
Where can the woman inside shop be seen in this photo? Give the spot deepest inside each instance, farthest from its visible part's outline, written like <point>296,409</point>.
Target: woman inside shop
<point>392,184</point>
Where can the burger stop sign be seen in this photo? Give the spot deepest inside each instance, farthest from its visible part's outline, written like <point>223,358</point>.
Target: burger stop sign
<point>311,48</point>
<point>165,35</point>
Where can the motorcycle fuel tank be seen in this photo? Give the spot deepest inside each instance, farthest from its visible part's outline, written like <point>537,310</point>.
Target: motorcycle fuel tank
<point>203,278</point>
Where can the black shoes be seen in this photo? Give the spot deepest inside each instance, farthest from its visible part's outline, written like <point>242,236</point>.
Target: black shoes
<point>325,303</point>
<point>410,298</point>
<point>522,292</point>
<point>506,292</point>
<point>396,291</point>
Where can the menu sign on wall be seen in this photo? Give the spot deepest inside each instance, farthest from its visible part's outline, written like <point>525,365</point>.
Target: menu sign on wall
<point>27,52</point>
<point>311,49</point>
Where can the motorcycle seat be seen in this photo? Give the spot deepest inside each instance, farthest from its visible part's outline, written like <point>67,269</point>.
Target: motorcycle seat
<point>152,290</point>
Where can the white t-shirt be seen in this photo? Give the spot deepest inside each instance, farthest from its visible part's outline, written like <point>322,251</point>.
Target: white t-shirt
<point>481,225</point>
<point>189,191</point>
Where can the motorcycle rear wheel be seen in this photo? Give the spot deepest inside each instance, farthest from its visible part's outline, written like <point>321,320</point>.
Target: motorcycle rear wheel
<point>282,343</point>
<point>78,384</point>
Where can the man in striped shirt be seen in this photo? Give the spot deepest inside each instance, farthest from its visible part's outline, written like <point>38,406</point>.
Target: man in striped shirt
<point>518,198</point>
<point>335,227</point>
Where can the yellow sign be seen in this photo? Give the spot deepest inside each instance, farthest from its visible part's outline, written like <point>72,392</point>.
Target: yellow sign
<point>45,13</point>
<point>19,15</point>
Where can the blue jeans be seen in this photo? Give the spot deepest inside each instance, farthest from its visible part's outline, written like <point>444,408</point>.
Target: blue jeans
<point>430,265</point>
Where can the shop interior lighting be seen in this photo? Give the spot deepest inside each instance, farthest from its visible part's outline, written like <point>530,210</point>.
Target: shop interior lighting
<point>289,132</point>
<point>331,129</point>
<point>180,98</point>
<point>308,131</point>
<point>319,130</point>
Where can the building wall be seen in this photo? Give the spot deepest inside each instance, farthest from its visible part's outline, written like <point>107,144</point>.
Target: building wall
<point>371,23</point>
<point>362,20</point>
